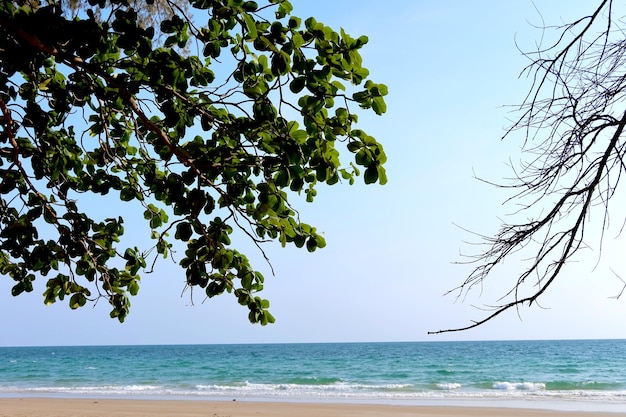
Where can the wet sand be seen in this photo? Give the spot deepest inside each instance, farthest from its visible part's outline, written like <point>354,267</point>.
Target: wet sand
<point>40,407</point>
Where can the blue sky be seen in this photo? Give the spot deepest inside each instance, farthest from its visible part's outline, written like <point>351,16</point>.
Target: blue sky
<point>450,68</point>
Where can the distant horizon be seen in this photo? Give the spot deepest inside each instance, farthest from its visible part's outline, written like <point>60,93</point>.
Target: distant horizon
<point>320,343</point>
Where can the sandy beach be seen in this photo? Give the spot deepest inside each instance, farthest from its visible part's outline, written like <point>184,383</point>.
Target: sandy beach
<point>36,407</point>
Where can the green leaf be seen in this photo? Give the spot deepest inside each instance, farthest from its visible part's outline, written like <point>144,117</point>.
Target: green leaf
<point>297,39</point>
<point>282,178</point>
<point>251,26</point>
<point>371,174</point>
<point>382,175</point>
<point>300,136</point>
<point>17,289</point>
<point>364,157</point>
<point>183,231</point>
<point>246,281</point>
<point>378,105</point>
<point>280,63</point>
<point>268,317</point>
<point>297,84</point>
<point>77,300</point>
<point>133,287</point>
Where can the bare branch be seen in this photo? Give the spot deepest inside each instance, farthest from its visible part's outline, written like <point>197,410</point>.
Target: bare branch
<point>573,120</point>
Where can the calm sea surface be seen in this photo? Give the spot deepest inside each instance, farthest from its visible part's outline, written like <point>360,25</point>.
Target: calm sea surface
<point>568,372</point>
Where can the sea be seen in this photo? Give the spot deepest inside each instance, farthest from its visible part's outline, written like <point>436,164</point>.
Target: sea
<point>557,374</point>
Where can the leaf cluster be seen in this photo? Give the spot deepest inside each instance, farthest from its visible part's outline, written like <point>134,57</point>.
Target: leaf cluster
<point>202,144</point>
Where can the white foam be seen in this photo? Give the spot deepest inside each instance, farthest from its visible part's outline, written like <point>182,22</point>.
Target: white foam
<point>449,386</point>
<point>526,386</point>
<point>338,391</point>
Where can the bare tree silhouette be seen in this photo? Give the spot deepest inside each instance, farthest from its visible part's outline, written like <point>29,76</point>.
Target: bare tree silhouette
<point>573,121</point>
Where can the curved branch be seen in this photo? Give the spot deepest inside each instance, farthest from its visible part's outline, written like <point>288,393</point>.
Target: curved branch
<point>571,163</point>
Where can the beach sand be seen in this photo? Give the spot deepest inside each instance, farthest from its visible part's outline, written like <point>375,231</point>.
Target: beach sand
<point>37,407</point>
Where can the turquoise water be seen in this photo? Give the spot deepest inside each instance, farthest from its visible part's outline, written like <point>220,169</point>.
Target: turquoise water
<point>571,371</point>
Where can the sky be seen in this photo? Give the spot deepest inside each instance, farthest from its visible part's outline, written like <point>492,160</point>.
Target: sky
<point>393,251</point>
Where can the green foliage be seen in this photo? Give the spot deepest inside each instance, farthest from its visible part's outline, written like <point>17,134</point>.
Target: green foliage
<point>201,147</point>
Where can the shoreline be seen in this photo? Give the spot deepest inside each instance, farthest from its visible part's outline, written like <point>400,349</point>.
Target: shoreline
<point>101,407</point>
<point>557,376</point>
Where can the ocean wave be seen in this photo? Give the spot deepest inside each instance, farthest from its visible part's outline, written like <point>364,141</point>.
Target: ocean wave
<point>448,386</point>
<point>339,388</point>
<point>338,391</point>
<point>445,371</point>
<point>526,386</point>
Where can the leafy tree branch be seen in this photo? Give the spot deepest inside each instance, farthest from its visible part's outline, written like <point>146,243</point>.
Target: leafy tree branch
<point>202,144</point>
